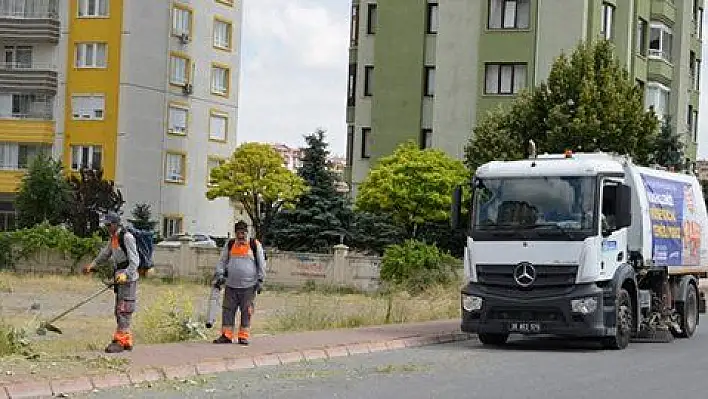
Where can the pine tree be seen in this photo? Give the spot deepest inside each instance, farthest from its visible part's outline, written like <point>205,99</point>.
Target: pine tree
<point>669,148</point>
<point>321,217</point>
<point>141,218</point>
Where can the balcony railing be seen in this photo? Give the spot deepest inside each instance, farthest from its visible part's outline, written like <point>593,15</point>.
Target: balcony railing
<point>23,77</point>
<point>29,9</point>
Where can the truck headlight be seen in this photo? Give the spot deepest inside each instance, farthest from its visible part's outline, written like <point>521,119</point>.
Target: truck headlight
<point>471,303</point>
<point>584,305</point>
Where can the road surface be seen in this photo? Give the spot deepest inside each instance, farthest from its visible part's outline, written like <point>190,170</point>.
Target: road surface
<point>524,369</point>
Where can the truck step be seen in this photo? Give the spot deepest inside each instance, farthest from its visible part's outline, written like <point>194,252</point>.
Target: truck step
<point>658,336</point>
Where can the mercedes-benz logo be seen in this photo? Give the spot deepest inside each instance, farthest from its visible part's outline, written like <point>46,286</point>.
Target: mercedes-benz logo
<point>524,274</point>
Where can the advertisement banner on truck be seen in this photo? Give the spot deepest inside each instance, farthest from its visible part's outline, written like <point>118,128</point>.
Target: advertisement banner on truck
<point>676,238</point>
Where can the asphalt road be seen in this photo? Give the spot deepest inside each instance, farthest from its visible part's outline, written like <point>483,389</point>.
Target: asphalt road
<point>524,369</point>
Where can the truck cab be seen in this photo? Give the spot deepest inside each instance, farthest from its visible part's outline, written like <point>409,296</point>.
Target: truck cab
<point>560,244</point>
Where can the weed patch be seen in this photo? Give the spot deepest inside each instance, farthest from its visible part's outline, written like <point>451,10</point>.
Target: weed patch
<point>169,318</point>
<point>13,341</point>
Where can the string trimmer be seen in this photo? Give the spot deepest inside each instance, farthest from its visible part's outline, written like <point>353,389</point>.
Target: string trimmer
<point>45,326</point>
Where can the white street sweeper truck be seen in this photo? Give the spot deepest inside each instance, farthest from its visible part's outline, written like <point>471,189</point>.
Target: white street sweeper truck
<point>585,245</point>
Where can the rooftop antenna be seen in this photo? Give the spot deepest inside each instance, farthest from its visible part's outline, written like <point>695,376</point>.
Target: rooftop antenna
<point>532,149</point>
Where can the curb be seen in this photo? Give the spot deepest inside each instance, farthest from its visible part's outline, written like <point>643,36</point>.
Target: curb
<point>60,387</point>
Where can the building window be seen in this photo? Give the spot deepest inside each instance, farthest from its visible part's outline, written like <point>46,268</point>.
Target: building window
<point>504,78</point>
<point>175,167</point>
<point>7,220</point>
<point>86,157</point>
<point>350,145</point>
<point>179,70</point>
<point>699,24</point>
<point>642,28</point>
<point>354,28</point>
<point>219,80</point>
<point>91,55</point>
<point>26,106</point>
<point>18,57</point>
<point>433,18</point>
<point>371,19</point>
<point>218,126</point>
<point>608,21</point>
<point>88,107</point>
<point>429,89</point>
<point>16,156</point>
<point>426,138</point>
<point>691,122</point>
<point>368,80</point>
<point>178,117</point>
<point>181,21</point>
<point>660,38</point>
<point>695,125</point>
<point>365,142</point>
<point>93,8</point>
<point>222,34</point>
<point>697,76</point>
<point>509,14</point>
<point>171,225</point>
<point>351,86</point>
<point>657,98</point>
<point>212,163</point>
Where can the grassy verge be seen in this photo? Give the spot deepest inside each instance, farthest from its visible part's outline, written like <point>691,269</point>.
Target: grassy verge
<point>170,311</point>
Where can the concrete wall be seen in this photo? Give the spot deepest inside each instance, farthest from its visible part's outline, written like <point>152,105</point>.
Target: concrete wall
<point>289,269</point>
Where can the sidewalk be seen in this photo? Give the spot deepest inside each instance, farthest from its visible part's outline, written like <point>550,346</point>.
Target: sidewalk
<point>184,360</point>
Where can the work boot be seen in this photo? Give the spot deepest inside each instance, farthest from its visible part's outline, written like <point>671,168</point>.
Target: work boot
<point>223,340</point>
<point>243,341</point>
<point>115,347</point>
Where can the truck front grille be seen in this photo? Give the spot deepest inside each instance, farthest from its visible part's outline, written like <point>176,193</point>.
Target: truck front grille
<point>547,276</point>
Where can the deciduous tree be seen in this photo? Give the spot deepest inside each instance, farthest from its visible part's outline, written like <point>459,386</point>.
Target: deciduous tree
<point>43,195</point>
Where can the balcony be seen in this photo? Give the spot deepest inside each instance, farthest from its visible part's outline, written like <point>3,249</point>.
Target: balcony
<point>663,10</point>
<point>29,21</point>
<point>28,78</point>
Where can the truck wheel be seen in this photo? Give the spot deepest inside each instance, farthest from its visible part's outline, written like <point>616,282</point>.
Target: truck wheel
<point>689,314</point>
<point>493,339</point>
<point>623,310</point>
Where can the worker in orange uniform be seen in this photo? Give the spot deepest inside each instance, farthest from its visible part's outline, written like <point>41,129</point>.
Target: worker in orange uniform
<point>241,269</point>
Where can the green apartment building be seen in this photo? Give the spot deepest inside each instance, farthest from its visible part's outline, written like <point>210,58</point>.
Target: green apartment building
<point>427,70</point>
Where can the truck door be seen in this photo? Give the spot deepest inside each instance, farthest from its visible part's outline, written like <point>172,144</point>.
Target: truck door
<point>614,240</point>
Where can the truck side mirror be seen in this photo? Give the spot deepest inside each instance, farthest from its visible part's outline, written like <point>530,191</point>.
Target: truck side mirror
<point>456,211</point>
<point>623,206</point>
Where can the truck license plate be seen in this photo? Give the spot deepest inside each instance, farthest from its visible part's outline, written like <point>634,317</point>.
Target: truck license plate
<point>525,327</point>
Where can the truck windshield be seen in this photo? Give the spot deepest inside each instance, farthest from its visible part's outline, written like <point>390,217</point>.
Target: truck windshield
<point>557,207</point>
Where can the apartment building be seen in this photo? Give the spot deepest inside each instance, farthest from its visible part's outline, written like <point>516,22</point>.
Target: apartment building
<point>147,90</point>
<point>428,70</point>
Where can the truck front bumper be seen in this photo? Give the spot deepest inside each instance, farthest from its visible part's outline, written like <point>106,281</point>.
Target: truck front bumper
<point>506,311</point>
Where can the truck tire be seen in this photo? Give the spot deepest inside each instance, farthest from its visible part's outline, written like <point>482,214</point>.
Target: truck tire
<point>624,312</point>
<point>493,339</point>
<point>689,314</point>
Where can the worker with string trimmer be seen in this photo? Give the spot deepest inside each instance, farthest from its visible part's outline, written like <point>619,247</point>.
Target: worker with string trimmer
<point>122,252</point>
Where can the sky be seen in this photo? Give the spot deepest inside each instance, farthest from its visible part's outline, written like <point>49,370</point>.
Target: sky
<point>294,73</point>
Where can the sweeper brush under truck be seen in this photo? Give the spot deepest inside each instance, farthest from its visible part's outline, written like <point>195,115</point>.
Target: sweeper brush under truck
<point>583,246</point>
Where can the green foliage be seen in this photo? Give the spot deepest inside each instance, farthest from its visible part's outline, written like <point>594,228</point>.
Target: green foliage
<point>13,341</point>
<point>142,218</point>
<point>43,194</point>
<point>91,196</point>
<point>321,216</point>
<point>669,148</point>
<point>417,266</point>
<point>414,186</point>
<point>23,243</point>
<point>255,177</point>
<point>373,232</point>
<point>589,103</point>
<point>168,319</point>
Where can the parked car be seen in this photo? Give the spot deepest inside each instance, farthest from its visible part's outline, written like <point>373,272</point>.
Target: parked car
<point>195,240</point>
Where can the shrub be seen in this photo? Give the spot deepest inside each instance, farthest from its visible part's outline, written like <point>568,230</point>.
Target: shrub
<point>13,341</point>
<point>21,244</point>
<point>416,266</point>
<point>169,318</point>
